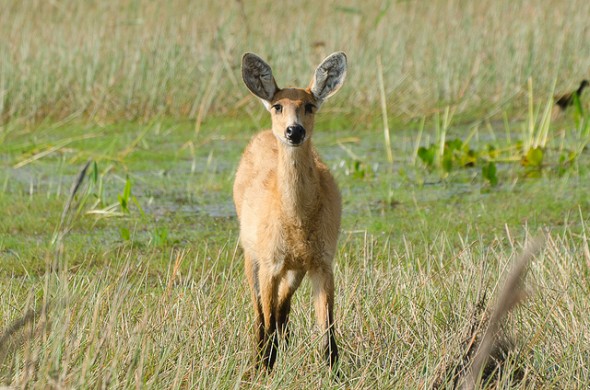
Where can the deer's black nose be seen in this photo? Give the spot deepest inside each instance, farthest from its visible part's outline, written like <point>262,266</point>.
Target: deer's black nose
<point>295,134</point>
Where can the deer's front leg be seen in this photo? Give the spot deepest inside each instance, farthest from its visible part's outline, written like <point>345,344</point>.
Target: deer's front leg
<point>268,285</point>
<point>252,269</point>
<point>323,291</point>
<point>287,287</point>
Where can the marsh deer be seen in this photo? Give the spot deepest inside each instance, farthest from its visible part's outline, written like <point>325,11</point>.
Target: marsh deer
<point>288,205</point>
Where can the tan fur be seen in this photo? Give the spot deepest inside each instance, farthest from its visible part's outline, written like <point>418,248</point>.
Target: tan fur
<point>289,208</point>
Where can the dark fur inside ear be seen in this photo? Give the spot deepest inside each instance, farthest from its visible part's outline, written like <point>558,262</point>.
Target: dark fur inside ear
<point>257,76</point>
<point>329,76</point>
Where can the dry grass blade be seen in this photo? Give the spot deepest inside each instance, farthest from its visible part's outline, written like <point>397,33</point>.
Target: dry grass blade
<point>75,187</point>
<point>386,134</point>
<point>510,295</point>
<point>30,315</point>
<point>15,326</point>
<point>51,149</point>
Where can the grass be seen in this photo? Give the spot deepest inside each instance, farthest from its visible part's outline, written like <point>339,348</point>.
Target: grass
<point>444,149</point>
<point>151,308</point>
<point>137,60</point>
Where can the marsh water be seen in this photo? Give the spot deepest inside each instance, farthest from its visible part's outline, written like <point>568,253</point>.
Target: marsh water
<point>179,183</point>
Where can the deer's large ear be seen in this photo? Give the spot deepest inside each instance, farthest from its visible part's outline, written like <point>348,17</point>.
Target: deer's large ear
<point>257,76</point>
<point>329,76</point>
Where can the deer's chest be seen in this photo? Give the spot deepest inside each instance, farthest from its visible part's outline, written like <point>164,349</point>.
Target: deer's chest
<point>301,246</point>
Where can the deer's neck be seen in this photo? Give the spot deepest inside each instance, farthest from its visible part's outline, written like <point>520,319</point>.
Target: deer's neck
<point>298,182</point>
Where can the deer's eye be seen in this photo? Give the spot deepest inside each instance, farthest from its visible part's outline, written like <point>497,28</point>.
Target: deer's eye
<point>309,108</point>
<point>278,108</point>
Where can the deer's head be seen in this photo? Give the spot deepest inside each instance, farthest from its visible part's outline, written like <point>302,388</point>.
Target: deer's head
<point>293,109</point>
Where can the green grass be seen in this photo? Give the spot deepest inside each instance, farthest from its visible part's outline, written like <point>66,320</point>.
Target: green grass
<point>142,284</point>
<point>167,305</point>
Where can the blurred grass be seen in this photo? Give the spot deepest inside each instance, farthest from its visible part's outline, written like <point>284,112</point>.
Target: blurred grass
<point>135,59</point>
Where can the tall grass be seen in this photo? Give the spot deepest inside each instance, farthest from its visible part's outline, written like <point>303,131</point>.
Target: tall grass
<point>135,59</point>
<point>104,312</point>
<point>401,319</point>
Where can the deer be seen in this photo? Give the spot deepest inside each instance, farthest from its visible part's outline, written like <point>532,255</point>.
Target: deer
<point>288,206</point>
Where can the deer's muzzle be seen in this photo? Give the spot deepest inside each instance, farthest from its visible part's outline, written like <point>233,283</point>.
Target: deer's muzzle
<point>295,134</point>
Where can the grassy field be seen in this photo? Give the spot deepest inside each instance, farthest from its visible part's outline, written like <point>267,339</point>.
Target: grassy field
<point>137,281</point>
<point>136,59</point>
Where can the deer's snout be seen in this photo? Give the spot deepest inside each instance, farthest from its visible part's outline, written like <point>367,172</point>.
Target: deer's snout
<point>295,134</point>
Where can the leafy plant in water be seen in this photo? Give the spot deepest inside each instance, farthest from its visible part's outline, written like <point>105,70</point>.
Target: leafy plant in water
<point>566,158</point>
<point>537,134</point>
<point>530,151</point>
<point>357,169</point>
<point>427,155</point>
<point>455,153</point>
<point>488,171</point>
<point>127,197</point>
<point>533,158</point>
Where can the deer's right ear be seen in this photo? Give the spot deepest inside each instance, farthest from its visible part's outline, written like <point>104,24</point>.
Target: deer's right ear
<point>257,76</point>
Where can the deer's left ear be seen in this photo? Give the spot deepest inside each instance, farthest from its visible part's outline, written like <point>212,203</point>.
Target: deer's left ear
<point>329,76</point>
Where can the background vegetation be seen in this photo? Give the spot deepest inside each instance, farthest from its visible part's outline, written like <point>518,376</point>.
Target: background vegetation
<point>136,59</point>
<point>444,141</point>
